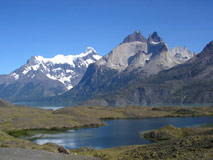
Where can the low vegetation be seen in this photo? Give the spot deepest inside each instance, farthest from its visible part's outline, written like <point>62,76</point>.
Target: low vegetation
<point>170,133</point>
<point>19,121</point>
<point>10,142</point>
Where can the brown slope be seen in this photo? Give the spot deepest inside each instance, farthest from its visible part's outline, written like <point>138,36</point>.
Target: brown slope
<point>4,103</point>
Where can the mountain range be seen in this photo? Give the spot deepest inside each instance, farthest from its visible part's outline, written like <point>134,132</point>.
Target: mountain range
<point>110,80</point>
<point>44,77</point>
<point>139,71</point>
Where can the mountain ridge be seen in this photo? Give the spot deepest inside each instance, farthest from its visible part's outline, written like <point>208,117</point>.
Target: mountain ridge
<point>186,83</point>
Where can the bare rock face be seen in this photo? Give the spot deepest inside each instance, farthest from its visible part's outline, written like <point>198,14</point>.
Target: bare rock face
<point>118,58</point>
<point>61,149</point>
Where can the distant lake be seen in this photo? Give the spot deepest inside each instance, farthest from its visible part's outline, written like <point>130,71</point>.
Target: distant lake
<point>39,105</point>
<point>117,132</point>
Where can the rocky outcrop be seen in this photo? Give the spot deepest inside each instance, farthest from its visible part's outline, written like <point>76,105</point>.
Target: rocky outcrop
<point>61,149</point>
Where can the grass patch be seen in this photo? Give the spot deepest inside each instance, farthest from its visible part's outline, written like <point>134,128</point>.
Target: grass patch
<point>32,132</point>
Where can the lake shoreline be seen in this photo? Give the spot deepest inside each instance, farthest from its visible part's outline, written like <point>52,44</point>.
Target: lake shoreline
<point>185,112</point>
<point>118,132</point>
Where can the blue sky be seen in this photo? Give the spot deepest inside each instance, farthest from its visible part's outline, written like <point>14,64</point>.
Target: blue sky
<point>51,27</point>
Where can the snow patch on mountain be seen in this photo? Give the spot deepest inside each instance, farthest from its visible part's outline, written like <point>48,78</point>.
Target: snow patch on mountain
<point>69,59</point>
<point>154,42</point>
<point>97,57</point>
<point>15,76</point>
<point>51,77</point>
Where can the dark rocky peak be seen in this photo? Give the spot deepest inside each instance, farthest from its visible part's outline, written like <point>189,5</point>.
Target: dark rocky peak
<point>136,36</point>
<point>209,48</point>
<point>157,49</point>
<point>154,38</point>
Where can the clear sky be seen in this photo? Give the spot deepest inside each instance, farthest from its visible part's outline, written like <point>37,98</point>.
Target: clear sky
<point>51,27</point>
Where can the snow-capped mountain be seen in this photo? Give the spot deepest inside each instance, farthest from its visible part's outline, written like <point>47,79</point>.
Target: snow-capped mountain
<point>59,74</point>
<point>66,69</point>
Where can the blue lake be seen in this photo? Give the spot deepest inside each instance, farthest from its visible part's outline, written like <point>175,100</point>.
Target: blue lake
<point>117,132</point>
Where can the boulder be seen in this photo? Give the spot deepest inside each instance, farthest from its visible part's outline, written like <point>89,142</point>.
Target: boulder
<point>61,149</point>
